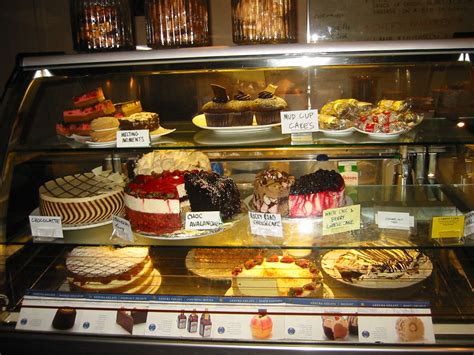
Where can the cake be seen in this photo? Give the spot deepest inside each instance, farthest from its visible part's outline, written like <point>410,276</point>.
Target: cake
<point>379,260</point>
<point>104,129</point>
<point>218,111</point>
<point>154,203</point>
<point>88,98</point>
<point>242,106</point>
<point>410,328</point>
<point>87,114</point>
<point>353,322</point>
<point>335,327</point>
<point>209,191</point>
<point>111,270</point>
<point>64,318</point>
<point>159,161</point>
<point>68,129</point>
<point>127,319</point>
<point>313,193</point>
<point>267,106</point>
<point>123,109</point>
<point>261,325</point>
<point>83,198</point>
<point>271,190</point>
<point>277,276</point>
<point>140,120</point>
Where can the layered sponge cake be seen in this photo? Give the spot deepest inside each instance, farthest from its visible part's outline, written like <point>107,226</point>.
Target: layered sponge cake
<point>271,190</point>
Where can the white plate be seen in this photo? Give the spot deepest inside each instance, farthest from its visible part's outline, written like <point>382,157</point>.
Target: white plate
<point>327,292</point>
<point>93,144</point>
<point>72,227</point>
<point>382,135</point>
<point>329,259</point>
<point>162,131</point>
<point>200,121</point>
<point>78,138</point>
<point>209,138</point>
<point>338,132</point>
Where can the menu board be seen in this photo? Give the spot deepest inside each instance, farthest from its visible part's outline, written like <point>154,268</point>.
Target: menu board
<point>340,20</point>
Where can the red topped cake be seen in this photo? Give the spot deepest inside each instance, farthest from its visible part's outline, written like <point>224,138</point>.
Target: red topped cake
<point>153,203</point>
<point>88,98</point>
<point>313,193</point>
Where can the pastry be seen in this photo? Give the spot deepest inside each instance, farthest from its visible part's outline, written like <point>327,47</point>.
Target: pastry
<point>127,319</point>
<point>335,327</point>
<point>123,109</point>
<point>89,98</point>
<point>342,114</point>
<point>104,129</point>
<point>242,106</point>
<point>313,193</point>
<point>209,191</point>
<point>218,110</point>
<point>140,120</point>
<point>271,190</point>
<point>83,198</point>
<point>154,203</point>
<point>114,270</point>
<point>87,114</point>
<point>261,325</point>
<point>353,325</point>
<point>277,276</point>
<point>410,329</point>
<point>68,129</point>
<point>64,318</point>
<point>267,106</point>
<point>159,161</point>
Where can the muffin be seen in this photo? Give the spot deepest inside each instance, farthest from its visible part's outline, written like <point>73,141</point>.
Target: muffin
<point>218,110</point>
<point>242,106</point>
<point>267,106</point>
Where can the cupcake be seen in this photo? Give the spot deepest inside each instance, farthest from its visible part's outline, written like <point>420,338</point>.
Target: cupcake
<point>267,106</point>
<point>242,106</point>
<point>218,110</point>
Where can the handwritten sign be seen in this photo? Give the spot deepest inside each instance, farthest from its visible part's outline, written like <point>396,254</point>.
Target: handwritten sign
<point>266,224</point>
<point>469,225</point>
<point>447,227</point>
<point>342,219</point>
<point>203,220</point>
<point>133,138</point>
<point>46,227</point>
<point>394,220</point>
<point>122,228</point>
<point>299,121</point>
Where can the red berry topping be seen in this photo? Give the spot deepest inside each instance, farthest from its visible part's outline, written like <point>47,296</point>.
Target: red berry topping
<point>258,260</point>
<point>303,263</point>
<point>273,259</point>
<point>249,264</point>
<point>287,259</point>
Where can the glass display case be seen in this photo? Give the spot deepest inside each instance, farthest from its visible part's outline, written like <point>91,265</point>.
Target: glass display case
<point>408,194</point>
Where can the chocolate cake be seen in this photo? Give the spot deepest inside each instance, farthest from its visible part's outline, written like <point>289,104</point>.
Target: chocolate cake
<point>64,318</point>
<point>140,120</point>
<point>208,191</point>
<point>271,190</point>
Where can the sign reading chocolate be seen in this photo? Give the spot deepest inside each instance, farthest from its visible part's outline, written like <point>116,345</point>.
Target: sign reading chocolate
<point>299,121</point>
<point>203,220</point>
<point>342,219</point>
<point>133,138</point>
<point>46,226</point>
<point>268,224</point>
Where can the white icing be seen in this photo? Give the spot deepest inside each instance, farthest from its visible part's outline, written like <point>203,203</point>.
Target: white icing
<point>150,205</point>
<point>160,161</point>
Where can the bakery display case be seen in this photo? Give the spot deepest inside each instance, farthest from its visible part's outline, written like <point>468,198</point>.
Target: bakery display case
<point>140,211</point>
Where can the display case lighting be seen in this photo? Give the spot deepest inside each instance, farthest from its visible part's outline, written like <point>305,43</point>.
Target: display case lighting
<point>464,57</point>
<point>42,73</point>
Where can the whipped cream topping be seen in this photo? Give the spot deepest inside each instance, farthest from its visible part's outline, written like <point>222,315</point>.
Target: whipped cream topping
<point>160,161</point>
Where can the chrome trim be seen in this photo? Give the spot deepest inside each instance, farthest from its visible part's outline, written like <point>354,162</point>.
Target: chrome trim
<point>233,53</point>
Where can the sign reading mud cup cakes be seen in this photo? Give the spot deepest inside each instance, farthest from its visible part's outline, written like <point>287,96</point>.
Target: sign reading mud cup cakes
<point>46,227</point>
<point>341,20</point>
<point>342,219</point>
<point>305,121</point>
<point>266,224</point>
<point>133,138</point>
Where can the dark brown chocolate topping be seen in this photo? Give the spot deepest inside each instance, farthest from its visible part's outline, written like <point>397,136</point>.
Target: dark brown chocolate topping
<point>265,95</point>
<point>241,96</point>
<point>220,94</point>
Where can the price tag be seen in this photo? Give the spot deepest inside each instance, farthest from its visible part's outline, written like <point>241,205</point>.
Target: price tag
<point>394,220</point>
<point>203,220</point>
<point>299,121</point>
<point>469,225</point>
<point>133,138</point>
<point>46,227</point>
<point>447,227</point>
<point>342,219</point>
<point>350,172</point>
<point>122,228</point>
<point>266,224</point>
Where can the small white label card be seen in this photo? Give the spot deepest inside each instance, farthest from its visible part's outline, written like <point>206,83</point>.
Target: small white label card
<point>122,228</point>
<point>342,219</point>
<point>203,220</point>
<point>133,138</point>
<point>469,225</point>
<point>394,220</point>
<point>299,121</point>
<point>266,224</point>
<point>46,227</point>
<point>349,171</point>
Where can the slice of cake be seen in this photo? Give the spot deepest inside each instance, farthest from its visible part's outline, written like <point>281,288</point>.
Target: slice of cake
<point>313,193</point>
<point>153,203</point>
<point>209,191</point>
<point>271,190</point>
<point>88,98</point>
<point>88,113</point>
<point>140,120</point>
<point>277,276</point>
